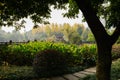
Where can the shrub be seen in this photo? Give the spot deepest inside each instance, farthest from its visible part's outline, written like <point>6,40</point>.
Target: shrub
<point>19,59</point>
<point>3,53</point>
<point>49,62</point>
<point>88,55</point>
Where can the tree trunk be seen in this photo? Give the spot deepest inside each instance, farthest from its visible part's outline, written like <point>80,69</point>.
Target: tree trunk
<point>104,60</point>
<point>103,40</point>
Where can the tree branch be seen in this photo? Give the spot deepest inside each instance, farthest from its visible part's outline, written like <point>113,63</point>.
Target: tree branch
<point>115,35</point>
<point>93,21</point>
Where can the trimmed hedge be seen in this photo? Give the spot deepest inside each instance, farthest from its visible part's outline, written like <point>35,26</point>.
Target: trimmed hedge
<point>23,54</point>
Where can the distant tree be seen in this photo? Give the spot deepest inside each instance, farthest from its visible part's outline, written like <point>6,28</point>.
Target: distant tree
<point>48,30</point>
<point>85,33</point>
<point>79,28</point>
<point>91,37</point>
<point>66,31</point>
<point>75,38</point>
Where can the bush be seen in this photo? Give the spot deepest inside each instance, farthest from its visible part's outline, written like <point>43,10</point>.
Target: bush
<point>88,55</point>
<point>49,63</point>
<point>3,53</point>
<point>19,59</point>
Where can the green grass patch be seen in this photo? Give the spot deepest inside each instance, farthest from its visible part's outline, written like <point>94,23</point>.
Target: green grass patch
<point>16,73</point>
<point>27,73</point>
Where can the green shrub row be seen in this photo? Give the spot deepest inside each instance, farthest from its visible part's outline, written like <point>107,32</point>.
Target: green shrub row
<point>23,54</point>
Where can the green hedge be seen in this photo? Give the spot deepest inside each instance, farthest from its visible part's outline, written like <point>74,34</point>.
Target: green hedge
<point>23,54</point>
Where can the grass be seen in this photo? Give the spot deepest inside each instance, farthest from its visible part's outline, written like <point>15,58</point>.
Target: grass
<point>27,73</point>
<point>115,72</point>
<point>16,73</point>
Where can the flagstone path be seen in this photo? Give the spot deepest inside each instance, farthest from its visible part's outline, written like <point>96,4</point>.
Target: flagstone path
<point>74,76</point>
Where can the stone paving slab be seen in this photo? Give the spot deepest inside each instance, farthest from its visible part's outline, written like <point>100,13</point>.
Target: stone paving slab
<point>86,72</point>
<point>91,70</point>
<point>70,77</point>
<point>80,75</point>
<point>74,76</point>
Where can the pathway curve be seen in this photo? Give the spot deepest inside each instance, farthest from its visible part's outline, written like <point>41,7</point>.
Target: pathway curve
<point>74,76</point>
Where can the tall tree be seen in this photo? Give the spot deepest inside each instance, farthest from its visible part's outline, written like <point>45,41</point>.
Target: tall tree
<point>66,31</point>
<point>79,28</point>
<point>39,10</point>
<point>103,40</point>
<point>85,33</point>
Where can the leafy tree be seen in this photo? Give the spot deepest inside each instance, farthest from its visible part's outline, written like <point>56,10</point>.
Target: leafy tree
<point>75,38</point>
<point>90,37</point>
<point>118,41</point>
<point>39,10</point>
<point>66,31</point>
<point>103,40</point>
<point>56,32</point>
<point>48,30</point>
<point>85,33</point>
<point>79,28</point>
<point>75,33</point>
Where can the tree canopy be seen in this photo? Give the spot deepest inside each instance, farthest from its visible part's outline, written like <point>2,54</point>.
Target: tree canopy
<point>39,10</point>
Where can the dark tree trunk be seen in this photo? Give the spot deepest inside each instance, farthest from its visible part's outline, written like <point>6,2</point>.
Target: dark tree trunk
<point>103,40</point>
<point>104,61</point>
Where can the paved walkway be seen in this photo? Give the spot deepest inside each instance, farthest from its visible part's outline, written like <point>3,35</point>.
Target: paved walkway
<point>74,76</point>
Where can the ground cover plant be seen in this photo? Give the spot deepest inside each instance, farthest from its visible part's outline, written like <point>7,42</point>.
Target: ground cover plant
<point>16,73</point>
